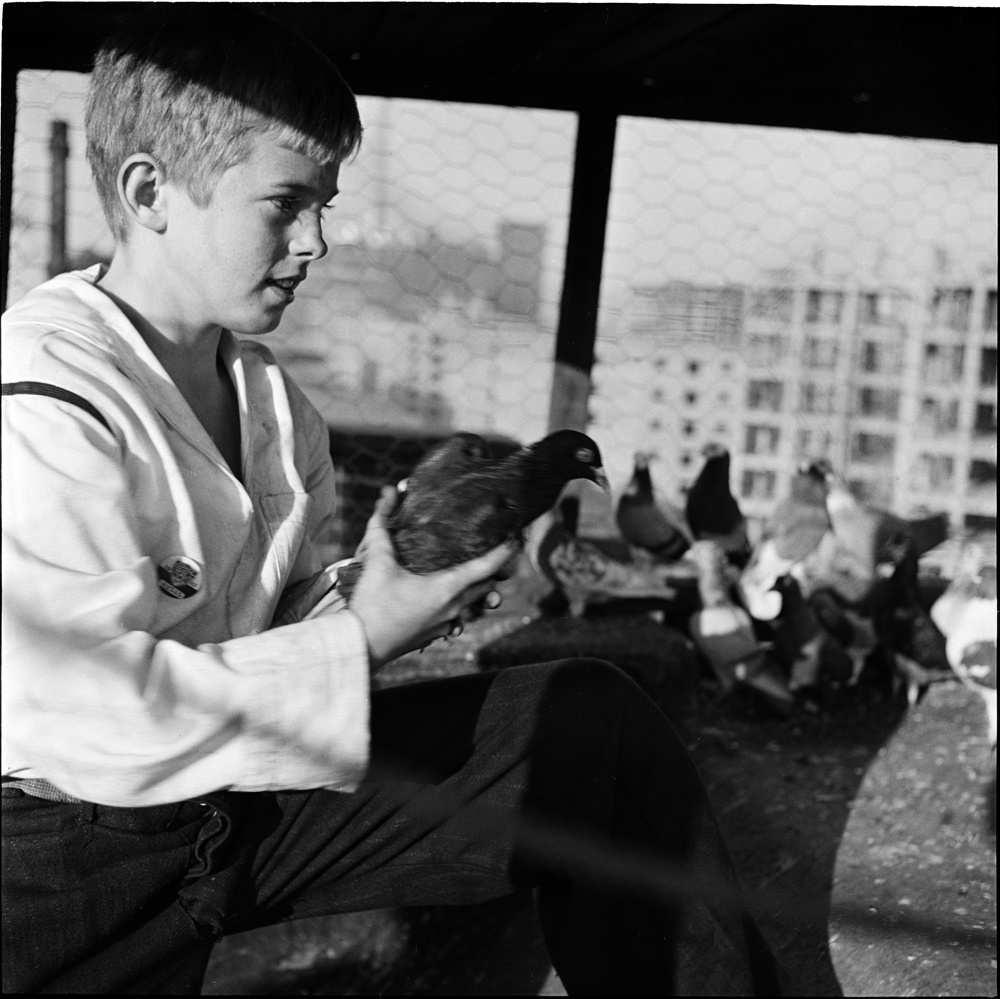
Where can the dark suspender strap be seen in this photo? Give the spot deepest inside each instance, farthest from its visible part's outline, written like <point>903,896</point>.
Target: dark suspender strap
<point>55,392</point>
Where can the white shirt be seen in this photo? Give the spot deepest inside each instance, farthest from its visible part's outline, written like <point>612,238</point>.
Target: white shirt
<point>141,577</point>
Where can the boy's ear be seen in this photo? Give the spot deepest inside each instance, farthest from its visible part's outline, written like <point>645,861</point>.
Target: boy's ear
<point>140,191</point>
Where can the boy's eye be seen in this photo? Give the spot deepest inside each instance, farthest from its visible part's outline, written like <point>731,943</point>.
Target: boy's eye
<point>289,206</point>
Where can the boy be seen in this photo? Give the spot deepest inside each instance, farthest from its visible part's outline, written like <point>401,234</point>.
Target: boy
<point>177,768</point>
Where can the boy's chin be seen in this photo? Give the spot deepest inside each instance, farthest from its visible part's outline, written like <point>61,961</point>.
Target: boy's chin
<point>256,325</point>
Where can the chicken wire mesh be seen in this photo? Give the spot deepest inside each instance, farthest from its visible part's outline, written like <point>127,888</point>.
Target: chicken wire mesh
<point>789,294</point>
<point>435,307</point>
<point>796,295</point>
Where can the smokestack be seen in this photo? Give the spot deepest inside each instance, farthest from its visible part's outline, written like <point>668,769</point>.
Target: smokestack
<point>58,155</point>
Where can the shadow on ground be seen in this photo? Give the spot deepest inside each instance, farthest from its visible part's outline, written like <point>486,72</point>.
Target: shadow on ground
<point>494,948</point>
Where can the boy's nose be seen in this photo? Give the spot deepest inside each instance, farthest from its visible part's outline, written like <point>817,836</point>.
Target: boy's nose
<point>308,241</point>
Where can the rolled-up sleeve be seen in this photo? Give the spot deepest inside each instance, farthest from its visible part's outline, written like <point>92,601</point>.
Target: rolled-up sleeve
<point>99,705</point>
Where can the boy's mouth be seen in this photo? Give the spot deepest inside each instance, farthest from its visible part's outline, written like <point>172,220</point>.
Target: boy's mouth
<point>285,286</point>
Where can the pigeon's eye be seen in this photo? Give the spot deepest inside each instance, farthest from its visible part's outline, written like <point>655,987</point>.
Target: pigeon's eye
<point>585,455</point>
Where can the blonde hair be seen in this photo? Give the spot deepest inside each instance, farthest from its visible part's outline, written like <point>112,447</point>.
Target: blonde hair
<point>193,90</point>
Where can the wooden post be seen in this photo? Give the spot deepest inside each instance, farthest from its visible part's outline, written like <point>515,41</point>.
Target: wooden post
<point>588,217</point>
<point>58,155</point>
<point>8,126</point>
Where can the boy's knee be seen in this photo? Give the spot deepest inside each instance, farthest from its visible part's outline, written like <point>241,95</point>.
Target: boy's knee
<point>594,680</point>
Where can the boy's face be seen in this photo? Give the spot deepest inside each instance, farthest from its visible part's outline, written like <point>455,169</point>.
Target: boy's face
<point>237,261</point>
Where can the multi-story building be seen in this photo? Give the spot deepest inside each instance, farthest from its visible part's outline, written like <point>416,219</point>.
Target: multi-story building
<point>895,386</point>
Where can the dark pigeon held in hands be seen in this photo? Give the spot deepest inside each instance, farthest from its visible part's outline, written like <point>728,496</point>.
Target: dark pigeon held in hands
<point>459,504</point>
<point>712,512</point>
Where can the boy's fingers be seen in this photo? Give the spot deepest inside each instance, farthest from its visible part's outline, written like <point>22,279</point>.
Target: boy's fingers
<point>386,502</point>
<point>375,531</point>
<point>486,565</point>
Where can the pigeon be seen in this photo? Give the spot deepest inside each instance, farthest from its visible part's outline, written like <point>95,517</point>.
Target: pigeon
<point>925,533</point>
<point>871,560</point>
<point>914,644</point>
<point>802,640</point>
<point>854,633</point>
<point>587,575</point>
<point>711,510</point>
<point>973,580</point>
<point>795,529</point>
<point>458,504</point>
<point>868,557</point>
<point>445,462</point>
<point>869,546</point>
<point>723,632</point>
<point>967,615</point>
<point>651,527</point>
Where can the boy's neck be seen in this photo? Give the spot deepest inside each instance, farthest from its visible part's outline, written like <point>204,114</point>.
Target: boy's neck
<point>187,350</point>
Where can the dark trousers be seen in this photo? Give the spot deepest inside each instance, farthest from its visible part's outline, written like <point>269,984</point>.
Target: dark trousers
<point>564,777</point>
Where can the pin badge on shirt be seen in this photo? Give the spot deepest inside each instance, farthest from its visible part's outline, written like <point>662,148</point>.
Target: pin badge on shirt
<point>179,576</point>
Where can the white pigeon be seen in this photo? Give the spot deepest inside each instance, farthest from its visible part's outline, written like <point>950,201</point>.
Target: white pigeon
<point>966,613</point>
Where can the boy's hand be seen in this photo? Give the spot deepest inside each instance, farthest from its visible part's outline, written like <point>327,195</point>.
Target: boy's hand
<point>402,611</point>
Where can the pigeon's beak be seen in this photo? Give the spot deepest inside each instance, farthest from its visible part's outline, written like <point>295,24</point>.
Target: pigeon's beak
<point>601,478</point>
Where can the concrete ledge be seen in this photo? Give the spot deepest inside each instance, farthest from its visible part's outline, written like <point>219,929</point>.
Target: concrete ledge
<point>914,897</point>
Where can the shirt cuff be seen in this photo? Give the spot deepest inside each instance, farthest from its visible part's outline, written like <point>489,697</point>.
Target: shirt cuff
<point>313,729</point>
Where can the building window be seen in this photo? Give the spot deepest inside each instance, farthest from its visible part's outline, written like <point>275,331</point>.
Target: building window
<point>820,352</point>
<point>881,309</point>
<point>951,308</point>
<point>988,367</point>
<point>933,473</point>
<point>660,364</point>
<point>765,395</point>
<point>690,398</point>
<point>765,350</point>
<point>942,364</point>
<point>657,395</point>
<point>980,522</point>
<point>680,313</point>
<point>990,312</point>
<point>873,449</point>
<point>938,416</point>
<point>761,440</point>
<point>721,429</point>
<point>986,418</point>
<point>686,458</point>
<point>815,398</point>
<point>693,367</point>
<point>772,303</point>
<point>687,428</point>
<point>758,485</point>
<point>824,306</point>
<point>982,473</point>
<point>879,358</point>
<point>881,403</point>
<point>813,444</point>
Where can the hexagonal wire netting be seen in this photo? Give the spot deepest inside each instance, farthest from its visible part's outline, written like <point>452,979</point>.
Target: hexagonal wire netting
<point>796,295</point>
<point>789,294</point>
